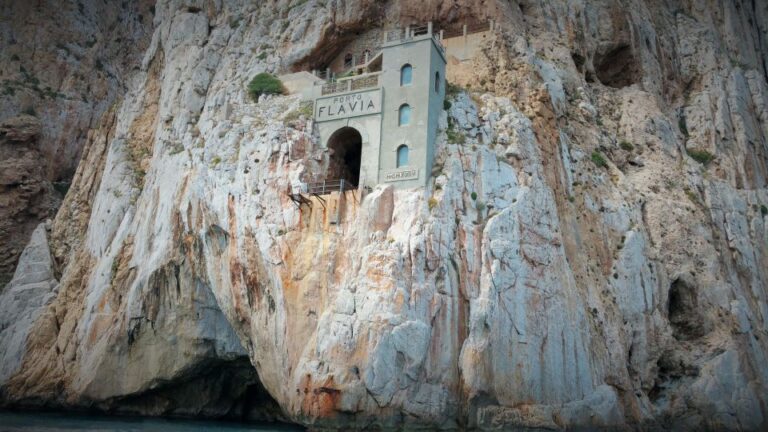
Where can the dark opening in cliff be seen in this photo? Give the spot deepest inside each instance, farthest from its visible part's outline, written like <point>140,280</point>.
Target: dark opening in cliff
<point>346,146</point>
<point>617,67</point>
<point>223,389</point>
<point>683,310</point>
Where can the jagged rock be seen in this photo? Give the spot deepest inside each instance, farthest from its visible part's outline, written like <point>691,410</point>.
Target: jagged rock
<point>20,129</point>
<point>546,278</point>
<point>21,302</point>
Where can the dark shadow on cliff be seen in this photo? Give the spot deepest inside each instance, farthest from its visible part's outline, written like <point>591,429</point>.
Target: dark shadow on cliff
<point>220,389</point>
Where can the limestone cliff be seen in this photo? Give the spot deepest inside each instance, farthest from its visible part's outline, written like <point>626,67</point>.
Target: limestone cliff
<point>591,250</point>
<point>64,63</point>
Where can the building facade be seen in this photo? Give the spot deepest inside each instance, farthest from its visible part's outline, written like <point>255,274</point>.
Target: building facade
<point>380,126</point>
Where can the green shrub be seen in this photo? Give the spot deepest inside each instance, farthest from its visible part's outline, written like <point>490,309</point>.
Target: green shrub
<point>215,161</point>
<point>701,156</point>
<point>454,136</point>
<point>446,105</point>
<point>763,210</point>
<point>264,83</point>
<point>480,206</point>
<point>432,203</point>
<point>626,145</point>
<point>262,55</point>
<point>305,109</point>
<point>473,195</point>
<point>15,57</point>
<point>451,90</point>
<point>30,110</point>
<point>599,159</point>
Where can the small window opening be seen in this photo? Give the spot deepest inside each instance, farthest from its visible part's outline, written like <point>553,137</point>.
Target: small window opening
<point>437,82</point>
<point>402,156</point>
<point>406,75</point>
<point>405,115</point>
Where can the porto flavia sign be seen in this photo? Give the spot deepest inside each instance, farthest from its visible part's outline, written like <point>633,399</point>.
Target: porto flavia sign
<point>349,105</point>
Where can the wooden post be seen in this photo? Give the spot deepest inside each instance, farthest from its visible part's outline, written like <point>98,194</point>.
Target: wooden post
<point>465,30</point>
<point>441,34</point>
<point>328,74</point>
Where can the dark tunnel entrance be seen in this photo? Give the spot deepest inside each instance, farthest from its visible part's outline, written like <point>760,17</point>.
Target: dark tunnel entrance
<point>346,145</point>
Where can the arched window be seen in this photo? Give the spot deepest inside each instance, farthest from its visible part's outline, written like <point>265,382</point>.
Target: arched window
<point>404,115</point>
<point>406,75</point>
<point>437,82</point>
<point>402,156</point>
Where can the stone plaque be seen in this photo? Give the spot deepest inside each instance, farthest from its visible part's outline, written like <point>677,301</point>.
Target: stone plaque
<point>348,105</point>
<point>400,175</point>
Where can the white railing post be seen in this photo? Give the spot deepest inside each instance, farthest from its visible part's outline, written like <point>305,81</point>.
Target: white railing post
<point>465,30</point>
<point>441,34</point>
<point>429,28</point>
<point>407,32</point>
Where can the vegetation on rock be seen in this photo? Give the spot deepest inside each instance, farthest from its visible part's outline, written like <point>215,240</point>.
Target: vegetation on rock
<point>264,83</point>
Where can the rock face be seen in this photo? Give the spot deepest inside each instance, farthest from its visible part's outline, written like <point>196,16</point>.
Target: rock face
<point>64,63</point>
<point>26,197</point>
<point>591,249</point>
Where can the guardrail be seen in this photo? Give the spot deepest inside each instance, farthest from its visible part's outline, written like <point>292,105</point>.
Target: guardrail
<point>350,84</point>
<point>323,187</point>
<point>467,30</point>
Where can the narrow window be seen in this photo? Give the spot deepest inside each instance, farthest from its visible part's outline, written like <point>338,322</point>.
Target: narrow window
<point>402,156</point>
<point>437,82</point>
<point>405,115</point>
<point>406,75</point>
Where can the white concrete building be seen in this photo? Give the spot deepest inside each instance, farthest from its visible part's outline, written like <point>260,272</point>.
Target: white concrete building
<point>380,126</point>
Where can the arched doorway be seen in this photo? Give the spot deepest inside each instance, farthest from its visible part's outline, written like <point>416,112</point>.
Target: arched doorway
<point>346,145</point>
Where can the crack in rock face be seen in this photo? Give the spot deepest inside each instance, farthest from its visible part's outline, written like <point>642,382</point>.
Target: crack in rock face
<point>588,250</point>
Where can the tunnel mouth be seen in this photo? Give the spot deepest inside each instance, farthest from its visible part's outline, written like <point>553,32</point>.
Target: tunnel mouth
<point>346,146</point>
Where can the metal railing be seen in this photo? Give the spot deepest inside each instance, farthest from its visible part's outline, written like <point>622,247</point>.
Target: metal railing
<point>334,87</point>
<point>364,82</point>
<point>350,84</point>
<point>466,30</point>
<point>419,30</point>
<point>323,187</point>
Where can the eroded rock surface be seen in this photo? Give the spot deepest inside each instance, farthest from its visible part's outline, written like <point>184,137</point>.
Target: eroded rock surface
<point>576,259</point>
